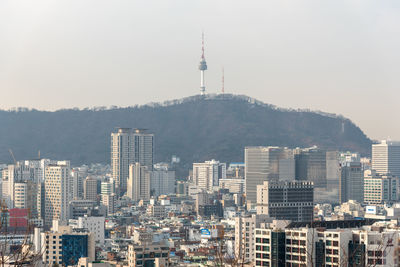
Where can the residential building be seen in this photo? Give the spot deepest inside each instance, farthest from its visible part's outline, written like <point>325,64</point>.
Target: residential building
<point>129,146</point>
<point>269,247</point>
<point>139,182</point>
<point>207,175</point>
<point>109,202</point>
<point>57,178</point>
<point>245,236</point>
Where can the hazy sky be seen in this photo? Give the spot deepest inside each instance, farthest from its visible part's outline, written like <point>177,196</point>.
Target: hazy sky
<point>336,56</point>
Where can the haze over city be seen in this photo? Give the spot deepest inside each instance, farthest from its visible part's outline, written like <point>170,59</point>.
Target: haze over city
<point>337,56</point>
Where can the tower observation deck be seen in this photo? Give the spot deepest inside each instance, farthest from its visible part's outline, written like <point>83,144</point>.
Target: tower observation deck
<point>202,67</point>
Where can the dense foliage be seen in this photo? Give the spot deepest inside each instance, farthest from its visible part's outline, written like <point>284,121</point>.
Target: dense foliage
<point>194,129</point>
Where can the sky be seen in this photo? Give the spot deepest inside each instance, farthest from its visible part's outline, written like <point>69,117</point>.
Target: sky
<point>337,56</point>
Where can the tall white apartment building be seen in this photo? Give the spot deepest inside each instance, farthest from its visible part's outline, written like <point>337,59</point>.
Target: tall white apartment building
<point>56,185</point>
<point>264,163</point>
<point>127,147</point>
<point>139,182</point>
<point>386,157</point>
<point>206,175</point>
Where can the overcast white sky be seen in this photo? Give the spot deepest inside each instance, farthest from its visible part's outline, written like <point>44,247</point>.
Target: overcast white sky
<point>336,56</point>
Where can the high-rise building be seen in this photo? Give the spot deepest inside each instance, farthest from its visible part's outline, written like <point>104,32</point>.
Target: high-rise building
<point>127,147</point>
<point>77,184</point>
<point>138,182</point>
<point>286,200</point>
<point>380,189</point>
<point>162,182</point>
<point>56,199</point>
<point>107,187</point>
<point>351,182</point>
<point>90,188</point>
<point>311,166</point>
<point>207,175</point>
<point>109,202</point>
<point>266,164</point>
<point>386,157</point>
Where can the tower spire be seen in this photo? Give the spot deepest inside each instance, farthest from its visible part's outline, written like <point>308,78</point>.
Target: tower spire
<point>202,67</point>
<point>223,81</point>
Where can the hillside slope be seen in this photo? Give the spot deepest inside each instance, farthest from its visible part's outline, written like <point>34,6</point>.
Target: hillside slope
<point>194,129</point>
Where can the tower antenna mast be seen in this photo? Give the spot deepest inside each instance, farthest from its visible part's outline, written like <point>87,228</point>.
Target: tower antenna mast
<point>223,81</point>
<point>202,67</point>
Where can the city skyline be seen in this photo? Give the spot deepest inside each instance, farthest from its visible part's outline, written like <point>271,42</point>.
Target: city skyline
<point>324,58</point>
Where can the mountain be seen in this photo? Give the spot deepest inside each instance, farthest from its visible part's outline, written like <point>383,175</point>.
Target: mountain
<point>195,129</point>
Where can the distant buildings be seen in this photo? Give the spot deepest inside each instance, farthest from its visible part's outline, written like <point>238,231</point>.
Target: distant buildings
<point>65,246</point>
<point>206,175</point>
<point>311,166</point>
<point>90,188</point>
<point>386,157</point>
<point>56,184</point>
<point>162,181</point>
<point>139,182</point>
<point>351,182</point>
<point>129,146</point>
<point>266,164</point>
<point>380,189</point>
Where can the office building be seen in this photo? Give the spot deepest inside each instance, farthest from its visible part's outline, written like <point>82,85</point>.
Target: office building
<point>162,182</point>
<point>311,166</point>
<point>266,164</point>
<point>207,175</point>
<point>234,185</point>
<point>380,189</point>
<point>65,246</point>
<point>77,184</point>
<point>386,157</point>
<point>148,254</point>
<point>90,188</point>
<point>351,182</point>
<point>56,197</point>
<point>107,187</point>
<point>286,200</point>
<point>95,225</point>
<point>129,146</point>
<point>139,182</point>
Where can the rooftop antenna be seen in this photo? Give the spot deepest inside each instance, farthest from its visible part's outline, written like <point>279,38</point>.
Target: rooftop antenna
<point>202,67</point>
